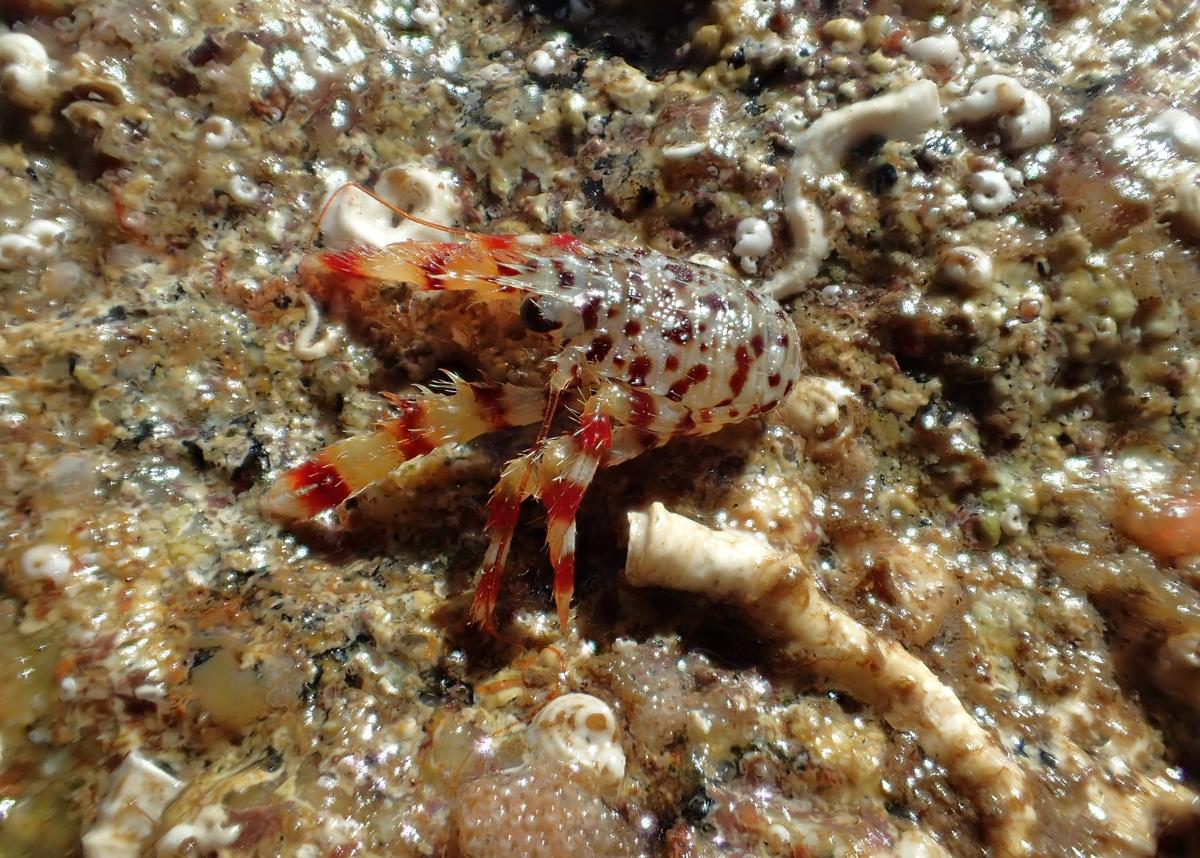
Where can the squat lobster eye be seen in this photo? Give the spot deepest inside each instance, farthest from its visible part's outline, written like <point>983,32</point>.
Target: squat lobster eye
<point>534,317</point>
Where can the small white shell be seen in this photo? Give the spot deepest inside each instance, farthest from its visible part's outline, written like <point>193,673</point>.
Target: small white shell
<point>1024,115</point>
<point>430,17</point>
<point>539,63</point>
<point>46,563</point>
<point>580,729</point>
<point>24,69</point>
<point>990,191</point>
<point>306,346</point>
<point>966,266</point>
<point>217,132</point>
<point>1182,129</point>
<point>243,191</point>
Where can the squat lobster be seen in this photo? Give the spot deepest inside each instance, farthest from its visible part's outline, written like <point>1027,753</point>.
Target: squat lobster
<point>652,347</point>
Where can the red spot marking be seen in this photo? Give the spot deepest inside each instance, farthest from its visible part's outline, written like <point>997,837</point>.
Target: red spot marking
<point>757,344</point>
<point>613,312</point>
<point>410,439</point>
<point>497,242</point>
<point>647,438</point>
<point>738,380</point>
<point>680,272</point>
<point>595,433</point>
<point>503,512</point>
<point>784,340</point>
<point>562,500</point>
<point>590,312</point>
<point>642,409</point>
<point>325,486</point>
<point>672,363</point>
<point>344,262</point>
<point>566,241</point>
<point>510,262</point>
<point>599,349</point>
<point>566,277</point>
<point>680,331</point>
<point>695,375</point>
<point>433,264</point>
<point>714,302</point>
<point>632,328</point>
<point>773,379</point>
<point>564,586</point>
<point>491,405</point>
<point>733,412</point>
<point>638,369</point>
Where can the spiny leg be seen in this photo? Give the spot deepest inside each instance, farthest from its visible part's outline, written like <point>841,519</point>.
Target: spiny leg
<point>517,482</point>
<point>426,422</point>
<point>503,509</point>
<point>559,473</point>
<point>563,493</point>
<point>569,464</point>
<point>568,469</point>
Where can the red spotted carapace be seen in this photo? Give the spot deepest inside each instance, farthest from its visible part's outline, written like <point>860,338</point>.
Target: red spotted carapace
<point>646,346</point>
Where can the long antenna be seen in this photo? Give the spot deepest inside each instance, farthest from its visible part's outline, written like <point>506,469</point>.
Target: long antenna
<point>392,207</point>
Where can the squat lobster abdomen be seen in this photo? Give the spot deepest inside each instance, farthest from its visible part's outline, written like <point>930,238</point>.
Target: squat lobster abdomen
<point>649,347</point>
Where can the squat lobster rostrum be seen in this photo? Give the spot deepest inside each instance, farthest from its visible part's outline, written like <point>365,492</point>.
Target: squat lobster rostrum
<point>647,347</point>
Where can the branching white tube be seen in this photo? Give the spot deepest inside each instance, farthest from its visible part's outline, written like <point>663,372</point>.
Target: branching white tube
<point>668,550</point>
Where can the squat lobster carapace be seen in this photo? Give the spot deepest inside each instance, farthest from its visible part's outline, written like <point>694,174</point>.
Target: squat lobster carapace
<point>644,346</point>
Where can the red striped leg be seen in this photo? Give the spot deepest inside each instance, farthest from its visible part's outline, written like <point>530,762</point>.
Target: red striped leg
<point>567,472</point>
<point>426,422</point>
<point>504,507</point>
<point>558,473</point>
